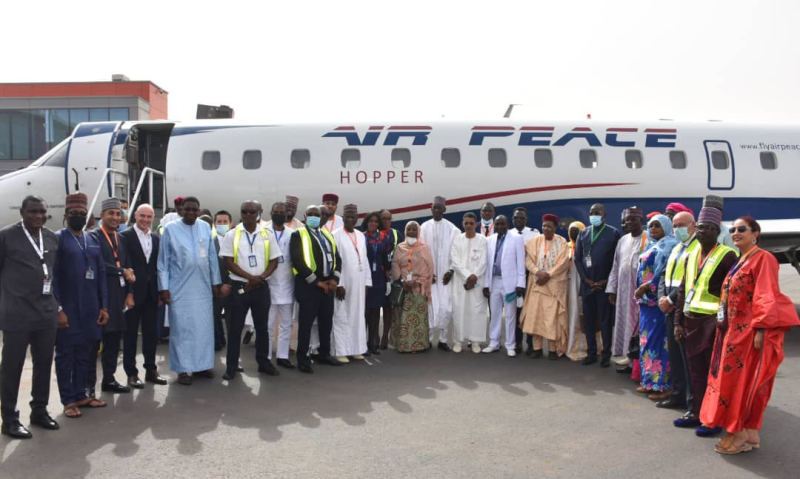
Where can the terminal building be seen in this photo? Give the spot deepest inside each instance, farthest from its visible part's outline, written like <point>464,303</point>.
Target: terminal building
<point>35,117</point>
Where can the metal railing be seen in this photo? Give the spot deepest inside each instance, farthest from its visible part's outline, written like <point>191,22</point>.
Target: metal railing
<point>106,175</point>
<point>147,173</point>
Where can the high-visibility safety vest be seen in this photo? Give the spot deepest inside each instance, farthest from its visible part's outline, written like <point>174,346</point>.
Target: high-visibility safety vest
<point>676,264</point>
<point>237,237</point>
<point>308,254</point>
<point>703,302</point>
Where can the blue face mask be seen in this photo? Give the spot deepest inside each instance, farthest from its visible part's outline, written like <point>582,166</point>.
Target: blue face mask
<point>486,222</point>
<point>596,220</point>
<point>222,229</point>
<point>313,221</point>
<point>682,233</point>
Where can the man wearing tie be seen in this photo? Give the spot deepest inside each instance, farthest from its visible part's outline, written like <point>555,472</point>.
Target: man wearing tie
<point>142,247</point>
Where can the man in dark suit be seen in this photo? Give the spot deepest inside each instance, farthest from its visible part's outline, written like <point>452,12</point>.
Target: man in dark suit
<point>28,314</point>
<point>318,265</point>
<point>142,247</point>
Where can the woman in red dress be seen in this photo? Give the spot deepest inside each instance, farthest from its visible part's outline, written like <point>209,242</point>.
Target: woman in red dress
<point>753,317</point>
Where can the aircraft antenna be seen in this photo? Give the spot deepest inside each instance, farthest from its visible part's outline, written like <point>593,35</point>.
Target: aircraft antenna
<point>508,111</point>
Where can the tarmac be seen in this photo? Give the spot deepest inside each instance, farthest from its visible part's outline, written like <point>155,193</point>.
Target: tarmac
<point>412,416</point>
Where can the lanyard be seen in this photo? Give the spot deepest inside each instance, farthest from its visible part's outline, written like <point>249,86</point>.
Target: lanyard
<point>39,250</point>
<point>410,256</point>
<point>702,265</point>
<point>81,246</point>
<point>277,236</point>
<point>545,251</point>
<point>113,248</point>
<point>354,240</point>
<point>333,225</point>
<point>644,242</point>
<point>249,241</point>
<point>733,272</point>
<point>594,237</point>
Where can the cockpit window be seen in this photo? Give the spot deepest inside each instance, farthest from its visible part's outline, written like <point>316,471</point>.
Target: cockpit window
<point>57,157</point>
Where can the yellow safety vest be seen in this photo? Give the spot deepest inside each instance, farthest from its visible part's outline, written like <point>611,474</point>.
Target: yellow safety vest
<point>703,302</point>
<point>308,255</point>
<point>237,236</point>
<point>676,264</point>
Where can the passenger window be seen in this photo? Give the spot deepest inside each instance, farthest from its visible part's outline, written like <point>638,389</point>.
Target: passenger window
<point>351,158</point>
<point>211,160</point>
<point>497,158</point>
<point>401,158</point>
<point>543,158</point>
<point>677,159</point>
<point>633,159</point>
<point>720,160</point>
<point>251,160</point>
<point>769,161</point>
<point>588,158</point>
<point>451,157</point>
<point>301,159</point>
<point>58,159</point>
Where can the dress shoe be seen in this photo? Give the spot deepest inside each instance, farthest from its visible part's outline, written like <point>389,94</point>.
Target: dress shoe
<point>444,347</point>
<point>315,357</point>
<point>305,367</point>
<point>331,361</point>
<point>269,370</point>
<point>376,351</point>
<point>518,350</point>
<point>625,370</point>
<point>670,403</point>
<point>285,363</point>
<point>705,431</point>
<point>511,352</point>
<point>342,359</point>
<point>218,347</point>
<point>135,382</point>
<point>537,353</point>
<point>367,354</point>
<point>185,379</point>
<point>687,420</point>
<point>476,348</point>
<point>552,356</point>
<point>15,430</point>
<point>384,346</point>
<point>248,336</point>
<point>623,362</point>
<point>43,420</point>
<point>589,360</point>
<point>207,374</point>
<point>114,387</point>
<point>155,378</point>
<point>660,395</point>
<point>490,349</point>
<point>358,357</point>
<point>228,376</point>
<point>239,369</point>
<point>529,352</point>
<point>605,361</point>
<point>456,347</point>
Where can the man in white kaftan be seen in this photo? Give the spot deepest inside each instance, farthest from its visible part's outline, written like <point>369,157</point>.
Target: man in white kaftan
<point>468,258</point>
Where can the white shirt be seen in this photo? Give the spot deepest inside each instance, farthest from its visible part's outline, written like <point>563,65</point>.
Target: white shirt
<point>334,224</point>
<point>145,240</point>
<point>527,233</point>
<point>169,218</point>
<point>251,256</point>
<point>281,281</point>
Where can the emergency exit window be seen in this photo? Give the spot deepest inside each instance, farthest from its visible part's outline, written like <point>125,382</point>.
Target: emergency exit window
<point>720,160</point>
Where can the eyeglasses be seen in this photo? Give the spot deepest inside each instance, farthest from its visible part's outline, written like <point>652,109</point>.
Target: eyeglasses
<point>740,229</point>
<point>249,212</point>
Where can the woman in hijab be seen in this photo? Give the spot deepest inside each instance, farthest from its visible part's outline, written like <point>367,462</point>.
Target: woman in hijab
<point>653,356</point>
<point>412,266</point>
<point>576,348</point>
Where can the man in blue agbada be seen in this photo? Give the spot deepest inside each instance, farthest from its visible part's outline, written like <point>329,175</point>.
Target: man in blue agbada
<point>188,272</point>
<point>79,285</point>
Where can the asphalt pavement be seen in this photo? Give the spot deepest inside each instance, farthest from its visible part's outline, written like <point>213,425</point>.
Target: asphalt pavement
<point>426,415</point>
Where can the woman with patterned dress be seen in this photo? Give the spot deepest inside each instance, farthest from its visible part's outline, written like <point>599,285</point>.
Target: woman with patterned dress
<point>379,247</point>
<point>412,265</point>
<point>653,354</point>
<point>753,318</point>
<point>576,348</point>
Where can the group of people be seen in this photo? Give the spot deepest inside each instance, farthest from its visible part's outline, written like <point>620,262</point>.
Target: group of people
<point>700,323</point>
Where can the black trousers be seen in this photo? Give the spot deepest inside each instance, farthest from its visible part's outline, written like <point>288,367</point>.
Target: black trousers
<point>596,308</point>
<point>257,301</point>
<point>314,304</point>
<point>219,330</point>
<point>518,333</point>
<point>677,363</point>
<point>111,346</point>
<point>15,348</point>
<point>373,317</point>
<point>146,316</point>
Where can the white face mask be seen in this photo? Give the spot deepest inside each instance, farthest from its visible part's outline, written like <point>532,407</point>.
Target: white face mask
<point>411,241</point>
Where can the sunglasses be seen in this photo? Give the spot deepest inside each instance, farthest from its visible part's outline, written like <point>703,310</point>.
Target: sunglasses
<point>740,229</point>
<point>249,212</point>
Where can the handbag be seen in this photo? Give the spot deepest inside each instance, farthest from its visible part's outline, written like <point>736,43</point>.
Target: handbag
<point>633,347</point>
<point>397,294</point>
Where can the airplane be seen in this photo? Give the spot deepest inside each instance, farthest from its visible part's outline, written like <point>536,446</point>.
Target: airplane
<point>546,166</point>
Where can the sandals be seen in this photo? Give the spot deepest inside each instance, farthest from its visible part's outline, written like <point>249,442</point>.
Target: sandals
<point>92,403</point>
<point>72,411</point>
<point>733,449</point>
<point>642,389</point>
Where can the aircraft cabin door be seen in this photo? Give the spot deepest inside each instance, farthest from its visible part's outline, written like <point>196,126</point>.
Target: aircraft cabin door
<point>89,156</point>
<point>721,166</point>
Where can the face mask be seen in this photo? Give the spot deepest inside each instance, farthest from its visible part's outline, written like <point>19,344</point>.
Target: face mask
<point>76,223</point>
<point>411,241</point>
<point>487,222</point>
<point>124,212</point>
<point>222,229</point>
<point>279,219</point>
<point>682,233</point>
<point>259,217</point>
<point>313,221</point>
<point>596,220</point>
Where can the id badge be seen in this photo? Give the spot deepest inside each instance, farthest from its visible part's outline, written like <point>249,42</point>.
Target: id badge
<point>122,281</point>
<point>687,302</point>
<point>588,260</point>
<point>89,274</point>
<point>203,252</point>
<point>47,287</point>
<point>329,257</point>
<point>253,261</point>
<point>689,296</point>
<point>360,267</point>
<point>410,277</point>
<point>241,290</point>
<point>374,267</point>
<point>721,313</point>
